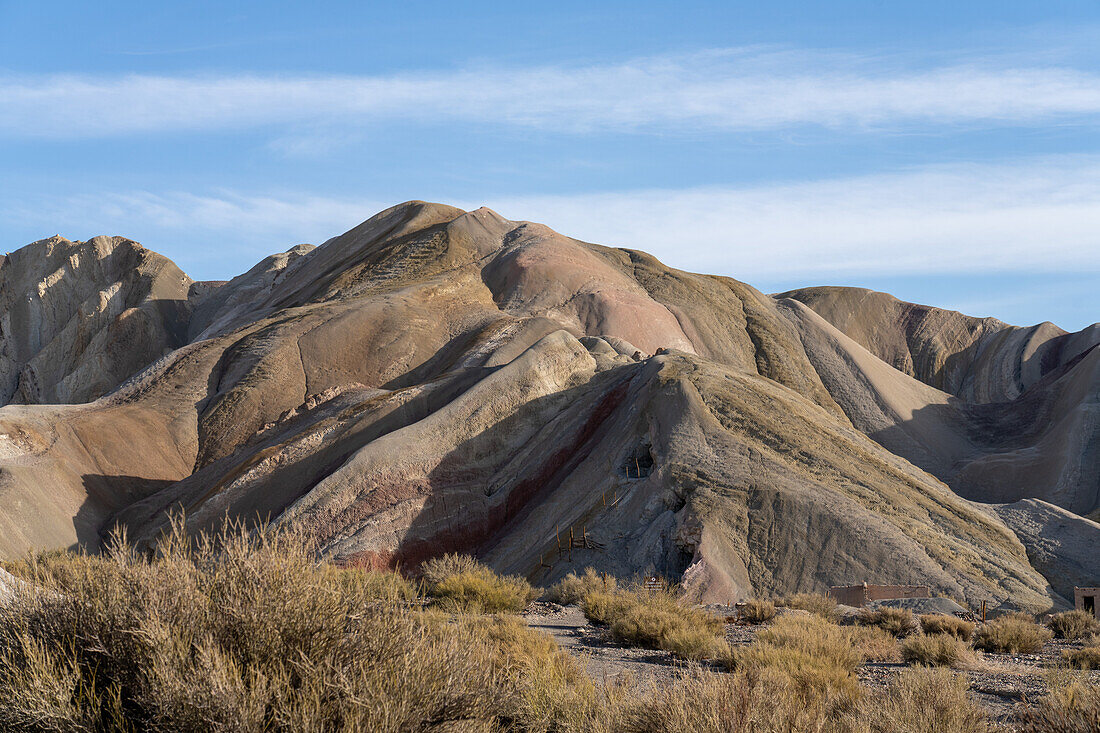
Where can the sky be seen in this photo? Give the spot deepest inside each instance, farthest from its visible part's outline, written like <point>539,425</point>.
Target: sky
<point>945,152</point>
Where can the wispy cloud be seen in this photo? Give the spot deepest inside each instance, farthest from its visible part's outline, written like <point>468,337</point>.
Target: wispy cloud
<point>738,89</point>
<point>1026,217</point>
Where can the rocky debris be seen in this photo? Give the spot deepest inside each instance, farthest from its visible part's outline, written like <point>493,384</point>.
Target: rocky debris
<point>436,380</point>
<point>922,606</point>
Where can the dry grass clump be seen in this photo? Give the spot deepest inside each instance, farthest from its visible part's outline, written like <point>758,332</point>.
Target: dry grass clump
<point>941,623</point>
<point>815,656</point>
<point>762,701</point>
<point>461,583</point>
<point>1072,706</point>
<point>245,632</point>
<point>1086,658</point>
<point>1014,633</point>
<point>655,620</point>
<point>573,588</point>
<point>1074,625</point>
<point>757,611</point>
<point>896,621</point>
<point>935,650</point>
<point>815,603</point>
<point>920,700</point>
<point>874,644</point>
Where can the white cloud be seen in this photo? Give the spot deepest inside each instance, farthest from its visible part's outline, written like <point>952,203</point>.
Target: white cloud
<point>738,89</point>
<point>1029,216</point>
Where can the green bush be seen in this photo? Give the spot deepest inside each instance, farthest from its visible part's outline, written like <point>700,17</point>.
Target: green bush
<point>1074,625</point>
<point>941,623</point>
<point>896,621</point>
<point>935,650</point>
<point>1011,634</point>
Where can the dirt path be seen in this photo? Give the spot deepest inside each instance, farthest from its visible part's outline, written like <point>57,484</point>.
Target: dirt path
<point>605,661</point>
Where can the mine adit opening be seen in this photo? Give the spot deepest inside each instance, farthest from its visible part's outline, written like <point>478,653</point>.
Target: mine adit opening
<point>638,463</point>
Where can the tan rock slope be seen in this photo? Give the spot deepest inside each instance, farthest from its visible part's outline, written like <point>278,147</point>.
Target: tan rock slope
<point>78,318</point>
<point>438,380</point>
<point>1020,414</point>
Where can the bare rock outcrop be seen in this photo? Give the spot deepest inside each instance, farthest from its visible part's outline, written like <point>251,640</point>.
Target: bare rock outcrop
<point>78,318</point>
<point>980,360</point>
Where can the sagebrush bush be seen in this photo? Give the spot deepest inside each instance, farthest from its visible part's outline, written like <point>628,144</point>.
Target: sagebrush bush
<point>1071,707</point>
<point>896,621</point>
<point>1085,658</point>
<point>757,611</point>
<point>935,650</point>
<point>1013,633</point>
<point>1074,625</point>
<point>573,588</point>
<point>941,623</point>
<point>932,700</point>
<point>815,603</point>
<point>461,583</point>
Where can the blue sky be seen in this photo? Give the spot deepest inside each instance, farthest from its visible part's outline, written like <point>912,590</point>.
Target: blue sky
<point>948,153</point>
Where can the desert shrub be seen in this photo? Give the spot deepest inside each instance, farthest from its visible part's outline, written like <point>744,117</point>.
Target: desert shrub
<point>603,607</point>
<point>243,633</point>
<point>656,620</point>
<point>461,583</point>
<point>1086,658</point>
<point>383,586</point>
<point>757,611</point>
<point>920,700</point>
<point>1074,625</point>
<point>435,570</point>
<point>896,621</point>
<point>761,701</point>
<point>1011,634</point>
<point>816,657</point>
<point>935,650</point>
<point>815,603</point>
<point>874,644</point>
<point>815,636</point>
<point>573,588</point>
<point>941,623</point>
<point>482,591</point>
<point>1071,707</point>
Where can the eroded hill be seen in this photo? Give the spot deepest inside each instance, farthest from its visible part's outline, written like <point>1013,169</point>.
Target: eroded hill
<point>439,380</point>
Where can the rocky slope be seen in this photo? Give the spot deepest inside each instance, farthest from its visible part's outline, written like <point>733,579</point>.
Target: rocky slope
<point>438,380</point>
<point>78,318</point>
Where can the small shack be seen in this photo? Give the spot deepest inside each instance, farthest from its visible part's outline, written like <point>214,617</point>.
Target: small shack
<point>1087,600</point>
<point>860,595</point>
